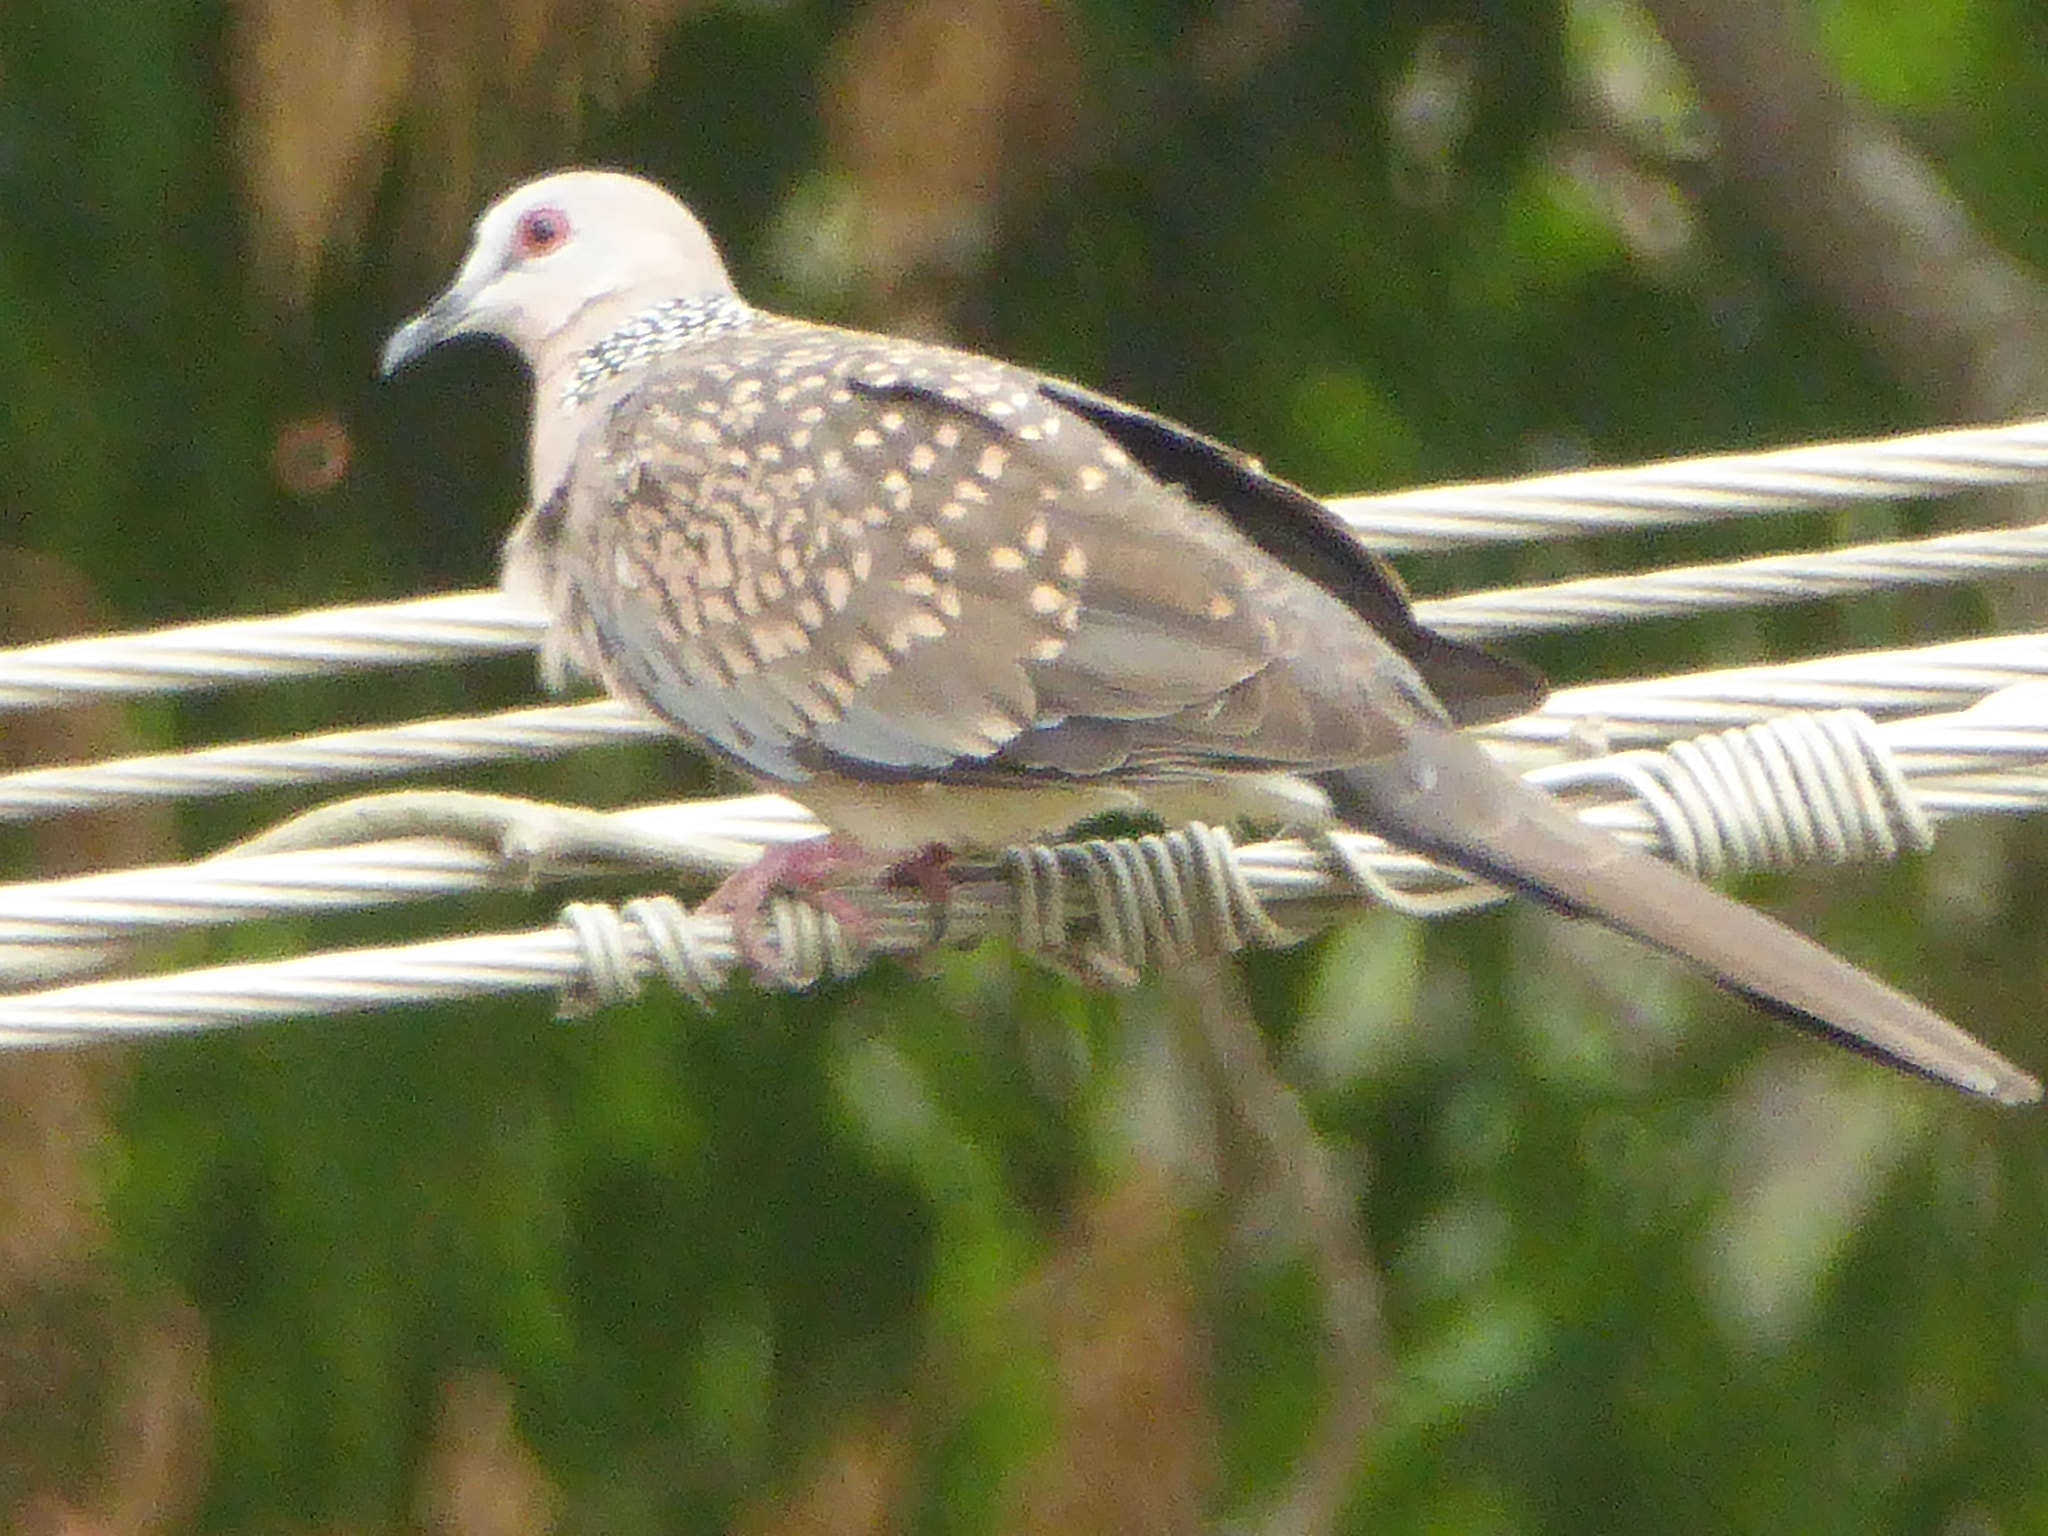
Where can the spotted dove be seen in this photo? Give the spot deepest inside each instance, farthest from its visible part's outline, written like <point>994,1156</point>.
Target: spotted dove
<point>944,600</point>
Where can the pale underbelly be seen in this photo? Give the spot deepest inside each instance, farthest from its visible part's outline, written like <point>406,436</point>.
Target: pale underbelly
<point>904,818</point>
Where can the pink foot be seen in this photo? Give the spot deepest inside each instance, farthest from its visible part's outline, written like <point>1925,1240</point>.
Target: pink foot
<point>802,869</point>
<point>929,871</point>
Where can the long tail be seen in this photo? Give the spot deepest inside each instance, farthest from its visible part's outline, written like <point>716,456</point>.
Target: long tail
<point>1444,796</point>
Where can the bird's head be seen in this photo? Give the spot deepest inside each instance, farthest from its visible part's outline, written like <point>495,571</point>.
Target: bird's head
<point>561,257</point>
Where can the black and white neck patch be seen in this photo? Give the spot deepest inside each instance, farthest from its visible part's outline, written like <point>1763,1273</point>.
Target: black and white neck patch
<point>667,327</point>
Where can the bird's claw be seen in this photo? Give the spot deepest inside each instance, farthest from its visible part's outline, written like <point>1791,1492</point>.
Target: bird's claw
<point>803,869</point>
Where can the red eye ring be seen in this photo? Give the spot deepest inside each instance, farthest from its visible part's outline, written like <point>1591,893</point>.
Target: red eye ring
<point>540,230</point>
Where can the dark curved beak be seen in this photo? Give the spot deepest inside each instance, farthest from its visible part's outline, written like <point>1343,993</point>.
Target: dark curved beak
<point>446,317</point>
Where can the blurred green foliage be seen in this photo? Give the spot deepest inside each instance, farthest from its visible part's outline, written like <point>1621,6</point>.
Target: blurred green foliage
<point>1646,1264</point>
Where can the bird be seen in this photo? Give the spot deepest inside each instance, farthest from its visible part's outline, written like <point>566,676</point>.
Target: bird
<point>948,602</point>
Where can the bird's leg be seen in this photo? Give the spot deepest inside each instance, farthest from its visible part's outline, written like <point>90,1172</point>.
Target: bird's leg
<point>803,869</point>
<point>929,872</point>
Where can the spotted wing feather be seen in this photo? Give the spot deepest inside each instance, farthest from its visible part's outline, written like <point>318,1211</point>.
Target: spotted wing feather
<point>818,552</point>
<point>1475,686</point>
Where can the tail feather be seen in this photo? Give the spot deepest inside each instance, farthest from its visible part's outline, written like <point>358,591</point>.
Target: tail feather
<point>1444,796</point>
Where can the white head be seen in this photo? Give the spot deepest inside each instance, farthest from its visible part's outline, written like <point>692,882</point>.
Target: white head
<point>556,263</point>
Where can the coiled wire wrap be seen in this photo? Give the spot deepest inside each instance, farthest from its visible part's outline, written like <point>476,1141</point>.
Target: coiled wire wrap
<point>1964,723</point>
<point>1800,789</point>
<point>1797,790</point>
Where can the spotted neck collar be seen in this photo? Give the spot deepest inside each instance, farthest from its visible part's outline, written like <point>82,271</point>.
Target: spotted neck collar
<point>653,332</point>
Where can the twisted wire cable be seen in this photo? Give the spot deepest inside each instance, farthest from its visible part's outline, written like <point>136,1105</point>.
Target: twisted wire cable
<point>1966,726</point>
<point>1700,490</point>
<point>1758,581</point>
<point>1798,789</point>
<point>447,628</point>
<point>1638,712</point>
<point>1921,680</point>
<point>223,652</point>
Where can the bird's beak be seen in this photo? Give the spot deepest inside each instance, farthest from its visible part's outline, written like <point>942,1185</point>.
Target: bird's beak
<point>448,316</point>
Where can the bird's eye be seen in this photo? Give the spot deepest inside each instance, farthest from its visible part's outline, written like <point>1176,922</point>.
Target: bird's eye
<point>540,231</point>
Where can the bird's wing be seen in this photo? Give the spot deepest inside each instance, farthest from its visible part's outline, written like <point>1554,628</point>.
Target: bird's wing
<point>784,603</point>
<point>1475,686</point>
<point>915,564</point>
